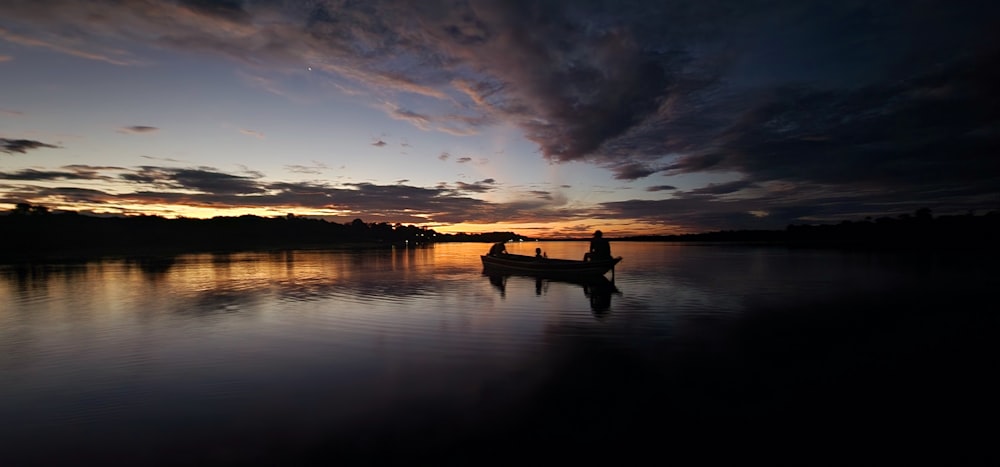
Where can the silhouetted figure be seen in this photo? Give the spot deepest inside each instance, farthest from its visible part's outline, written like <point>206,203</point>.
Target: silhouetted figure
<point>540,254</point>
<point>498,249</point>
<point>600,249</point>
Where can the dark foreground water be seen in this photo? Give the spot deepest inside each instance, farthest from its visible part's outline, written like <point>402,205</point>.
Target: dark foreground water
<point>413,356</point>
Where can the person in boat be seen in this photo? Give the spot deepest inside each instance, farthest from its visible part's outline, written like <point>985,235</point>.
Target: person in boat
<point>498,249</point>
<point>540,254</point>
<point>600,249</point>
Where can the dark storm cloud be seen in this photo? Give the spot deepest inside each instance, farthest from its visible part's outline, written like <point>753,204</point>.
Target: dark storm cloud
<point>22,146</point>
<point>661,188</point>
<point>870,98</point>
<point>934,129</point>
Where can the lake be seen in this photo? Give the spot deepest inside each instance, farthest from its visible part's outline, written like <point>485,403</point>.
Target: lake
<point>413,355</point>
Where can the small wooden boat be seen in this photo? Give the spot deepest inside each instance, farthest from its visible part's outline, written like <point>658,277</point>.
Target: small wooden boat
<point>547,266</point>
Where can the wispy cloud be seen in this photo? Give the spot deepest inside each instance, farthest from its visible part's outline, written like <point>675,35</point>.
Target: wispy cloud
<point>315,168</point>
<point>62,48</point>
<point>255,134</point>
<point>5,58</point>
<point>164,159</point>
<point>138,129</point>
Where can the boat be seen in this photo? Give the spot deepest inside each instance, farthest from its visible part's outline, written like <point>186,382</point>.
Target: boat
<point>547,266</point>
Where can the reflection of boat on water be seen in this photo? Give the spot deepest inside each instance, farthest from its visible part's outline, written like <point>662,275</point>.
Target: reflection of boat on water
<point>549,267</point>
<point>597,288</point>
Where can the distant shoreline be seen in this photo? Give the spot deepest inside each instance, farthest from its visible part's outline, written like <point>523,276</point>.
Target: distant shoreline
<point>72,255</point>
<point>37,235</point>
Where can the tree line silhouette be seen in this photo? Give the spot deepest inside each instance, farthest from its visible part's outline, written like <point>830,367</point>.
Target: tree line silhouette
<point>918,230</point>
<point>30,230</point>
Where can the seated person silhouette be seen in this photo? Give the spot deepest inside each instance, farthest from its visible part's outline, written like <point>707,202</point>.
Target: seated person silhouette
<point>600,249</point>
<point>498,249</point>
<point>539,254</point>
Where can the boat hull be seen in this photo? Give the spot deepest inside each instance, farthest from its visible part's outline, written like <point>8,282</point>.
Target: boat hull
<point>547,266</point>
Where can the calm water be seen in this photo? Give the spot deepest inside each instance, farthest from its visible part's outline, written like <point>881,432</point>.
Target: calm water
<point>413,354</point>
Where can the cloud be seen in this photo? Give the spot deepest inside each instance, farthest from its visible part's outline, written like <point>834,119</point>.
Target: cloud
<point>202,179</point>
<point>481,186</point>
<point>909,137</point>
<point>11,113</point>
<point>22,146</point>
<point>661,188</point>
<point>37,175</point>
<point>5,58</point>
<point>852,97</point>
<point>255,134</point>
<point>444,156</point>
<point>463,160</point>
<point>632,171</point>
<point>138,129</point>
<point>315,168</point>
<point>227,10</point>
<point>165,159</point>
<point>71,172</point>
<point>416,119</point>
<point>209,188</point>
<point>60,47</point>
<point>379,143</point>
<point>723,188</point>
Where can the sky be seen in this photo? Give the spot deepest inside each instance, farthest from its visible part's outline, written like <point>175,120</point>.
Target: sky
<point>546,118</point>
